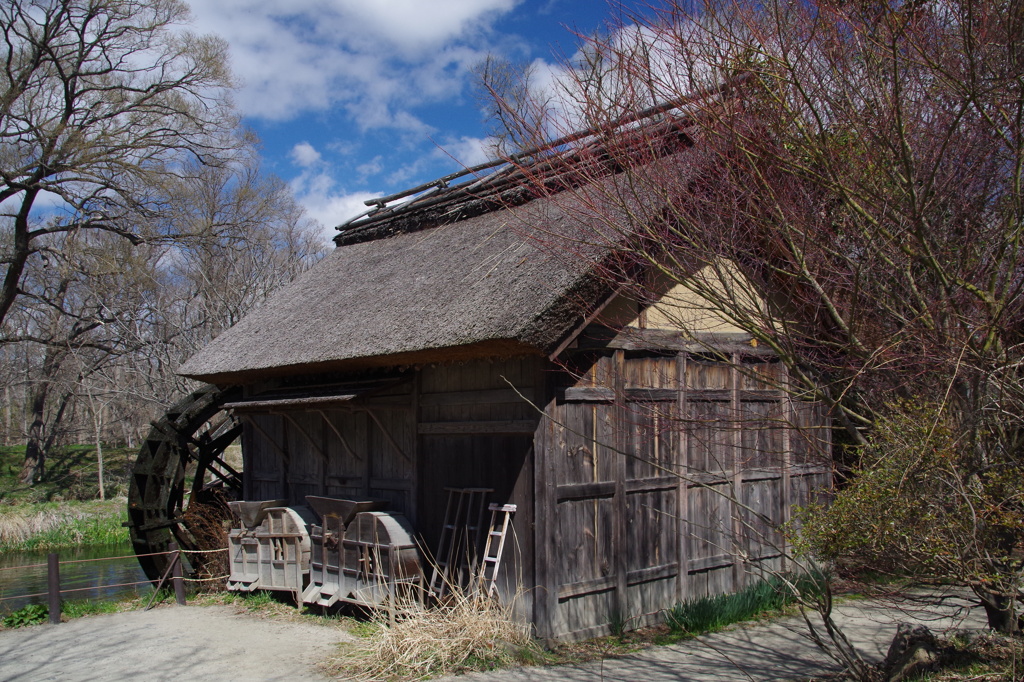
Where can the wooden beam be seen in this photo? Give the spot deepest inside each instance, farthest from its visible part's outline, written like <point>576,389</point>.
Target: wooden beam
<point>584,587</point>
<point>652,394</point>
<point>600,394</point>
<point>337,433</point>
<point>651,573</point>
<point>736,439</point>
<point>387,436</point>
<point>708,563</point>
<point>584,491</point>
<point>623,434</point>
<point>545,598</point>
<point>521,426</point>
<point>574,334</point>
<point>724,344</point>
<point>415,494</point>
<point>681,463</point>
<point>785,489</point>
<point>651,484</point>
<point>586,394</point>
<point>497,395</point>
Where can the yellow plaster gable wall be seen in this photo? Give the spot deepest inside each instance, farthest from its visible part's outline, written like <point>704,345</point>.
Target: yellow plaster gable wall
<point>680,308</point>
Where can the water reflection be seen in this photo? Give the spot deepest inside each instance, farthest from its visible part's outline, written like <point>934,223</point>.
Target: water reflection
<point>24,573</point>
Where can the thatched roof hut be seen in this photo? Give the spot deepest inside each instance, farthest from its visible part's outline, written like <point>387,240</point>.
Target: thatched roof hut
<point>454,341</point>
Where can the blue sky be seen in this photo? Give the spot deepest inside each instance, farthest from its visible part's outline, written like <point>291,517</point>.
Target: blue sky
<point>358,98</point>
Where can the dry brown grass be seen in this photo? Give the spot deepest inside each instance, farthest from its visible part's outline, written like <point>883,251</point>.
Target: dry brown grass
<point>466,633</point>
<point>17,526</point>
<point>63,524</point>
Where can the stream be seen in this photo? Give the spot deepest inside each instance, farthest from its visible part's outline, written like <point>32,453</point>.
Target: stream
<point>21,575</point>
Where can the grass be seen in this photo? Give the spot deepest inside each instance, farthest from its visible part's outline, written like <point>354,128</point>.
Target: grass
<point>79,608</point>
<point>70,474</point>
<point>467,633</point>
<point>971,656</point>
<point>983,657</point>
<point>59,525</point>
<point>709,614</point>
<point>61,510</point>
<point>36,614</point>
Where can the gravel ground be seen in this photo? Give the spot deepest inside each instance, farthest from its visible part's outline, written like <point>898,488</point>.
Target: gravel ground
<point>169,643</point>
<point>215,643</point>
<point>776,651</point>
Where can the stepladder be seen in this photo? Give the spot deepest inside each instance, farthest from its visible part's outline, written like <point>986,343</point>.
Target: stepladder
<point>458,550</point>
<point>494,548</point>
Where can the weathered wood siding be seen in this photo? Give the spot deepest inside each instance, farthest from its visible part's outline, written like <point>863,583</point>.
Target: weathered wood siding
<point>365,449</point>
<point>631,492</point>
<point>476,431</point>
<point>466,425</point>
<point>647,463</point>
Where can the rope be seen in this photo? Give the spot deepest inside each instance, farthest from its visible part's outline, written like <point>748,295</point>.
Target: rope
<point>17,568</point>
<point>203,551</point>
<point>200,580</point>
<point>103,587</point>
<point>112,558</point>
<point>25,596</point>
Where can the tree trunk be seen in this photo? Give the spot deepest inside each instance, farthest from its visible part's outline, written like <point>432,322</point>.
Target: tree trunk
<point>38,443</point>
<point>35,450</point>
<point>1001,612</point>
<point>8,406</point>
<point>98,420</point>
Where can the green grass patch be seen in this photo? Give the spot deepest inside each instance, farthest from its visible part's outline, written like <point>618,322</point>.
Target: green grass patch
<point>37,614</point>
<point>32,614</point>
<point>708,614</point>
<point>77,608</point>
<point>60,525</point>
<point>70,474</point>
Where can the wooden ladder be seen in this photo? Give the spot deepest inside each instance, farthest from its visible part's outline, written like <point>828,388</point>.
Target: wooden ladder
<point>460,537</point>
<point>495,547</point>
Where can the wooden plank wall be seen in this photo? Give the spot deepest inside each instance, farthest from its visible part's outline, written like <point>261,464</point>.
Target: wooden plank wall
<point>453,426</point>
<point>476,431</point>
<point>647,464</point>
<point>366,449</point>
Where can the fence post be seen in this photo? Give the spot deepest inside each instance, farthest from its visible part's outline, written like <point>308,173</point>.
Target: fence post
<point>53,586</point>
<point>179,584</point>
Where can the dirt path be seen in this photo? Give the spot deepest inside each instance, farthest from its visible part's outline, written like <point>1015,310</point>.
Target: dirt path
<point>775,651</point>
<point>170,643</point>
<point>216,643</point>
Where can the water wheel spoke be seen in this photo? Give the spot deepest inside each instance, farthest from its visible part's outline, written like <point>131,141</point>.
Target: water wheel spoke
<point>194,430</point>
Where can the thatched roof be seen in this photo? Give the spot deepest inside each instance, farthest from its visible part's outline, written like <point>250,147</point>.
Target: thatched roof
<point>457,272</point>
<point>479,287</point>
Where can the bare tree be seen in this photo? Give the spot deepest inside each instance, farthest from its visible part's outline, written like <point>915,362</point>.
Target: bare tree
<point>111,321</point>
<point>842,181</point>
<point>100,102</point>
<point>252,237</point>
<point>121,170</point>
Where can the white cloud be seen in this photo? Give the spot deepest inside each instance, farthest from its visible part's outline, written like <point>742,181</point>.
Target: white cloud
<point>468,151</point>
<point>376,60</point>
<point>413,24</point>
<point>305,155</point>
<point>334,209</point>
<point>371,167</point>
<point>318,193</point>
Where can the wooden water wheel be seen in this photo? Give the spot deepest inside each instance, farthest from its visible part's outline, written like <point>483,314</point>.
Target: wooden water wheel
<point>182,454</point>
